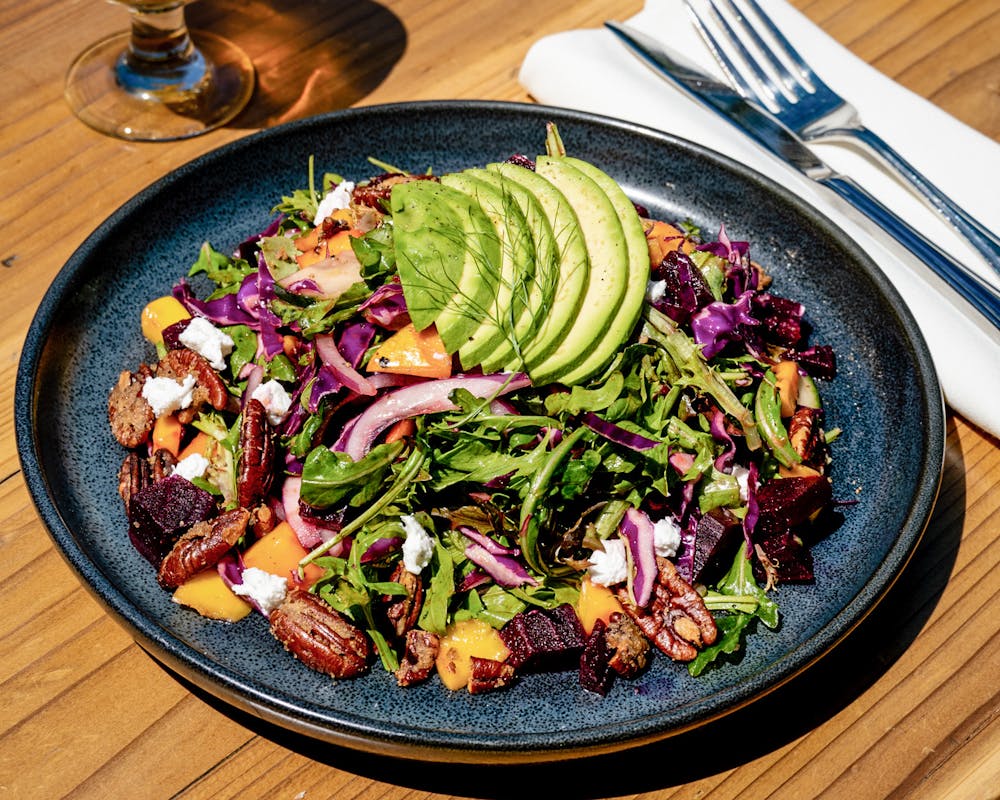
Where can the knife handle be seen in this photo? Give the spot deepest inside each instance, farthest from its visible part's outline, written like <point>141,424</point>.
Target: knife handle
<point>977,292</point>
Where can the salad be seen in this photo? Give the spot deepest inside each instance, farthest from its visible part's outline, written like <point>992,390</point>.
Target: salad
<point>474,425</point>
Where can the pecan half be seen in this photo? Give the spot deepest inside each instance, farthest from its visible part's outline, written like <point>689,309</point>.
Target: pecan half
<point>419,657</point>
<point>488,675</point>
<point>319,636</point>
<point>403,611</point>
<point>805,435</point>
<point>677,621</point>
<point>136,473</point>
<point>256,471</point>
<point>209,387</point>
<point>202,546</point>
<point>628,647</point>
<point>131,417</point>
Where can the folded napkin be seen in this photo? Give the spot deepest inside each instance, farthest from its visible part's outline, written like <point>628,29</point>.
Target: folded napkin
<point>591,70</point>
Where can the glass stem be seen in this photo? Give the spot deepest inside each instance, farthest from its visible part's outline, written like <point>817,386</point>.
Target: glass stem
<point>161,59</point>
<point>159,34</point>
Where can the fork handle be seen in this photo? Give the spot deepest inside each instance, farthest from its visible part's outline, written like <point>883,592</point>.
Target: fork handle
<point>981,237</point>
<point>977,292</point>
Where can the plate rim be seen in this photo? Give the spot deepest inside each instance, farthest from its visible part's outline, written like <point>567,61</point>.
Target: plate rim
<point>200,670</point>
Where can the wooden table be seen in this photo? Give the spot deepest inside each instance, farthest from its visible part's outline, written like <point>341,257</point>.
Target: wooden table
<point>908,706</point>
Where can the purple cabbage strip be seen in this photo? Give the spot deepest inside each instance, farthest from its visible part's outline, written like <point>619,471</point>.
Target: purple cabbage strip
<point>223,310</point>
<point>355,340</point>
<point>753,509</point>
<point>616,434</point>
<point>342,370</point>
<point>717,324</point>
<point>386,307</point>
<point>271,341</point>
<point>717,426</point>
<point>637,528</point>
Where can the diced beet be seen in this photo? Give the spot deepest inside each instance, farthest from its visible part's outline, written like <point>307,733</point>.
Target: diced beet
<point>716,538</point>
<point>793,563</point>
<point>544,640</point>
<point>820,361</point>
<point>596,674</point>
<point>785,503</point>
<point>161,512</point>
<point>684,291</point>
<point>172,333</point>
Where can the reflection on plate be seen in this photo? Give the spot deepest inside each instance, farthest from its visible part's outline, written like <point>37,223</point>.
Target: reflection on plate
<point>886,399</point>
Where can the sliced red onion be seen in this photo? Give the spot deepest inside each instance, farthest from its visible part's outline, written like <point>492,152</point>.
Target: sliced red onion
<point>474,579</point>
<point>386,307</point>
<point>427,397</point>
<point>487,542</point>
<point>310,534</point>
<point>380,548</point>
<point>618,435</point>
<point>327,350</point>
<point>637,528</point>
<point>505,570</point>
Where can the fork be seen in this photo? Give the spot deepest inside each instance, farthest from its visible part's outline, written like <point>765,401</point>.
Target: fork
<point>780,80</point>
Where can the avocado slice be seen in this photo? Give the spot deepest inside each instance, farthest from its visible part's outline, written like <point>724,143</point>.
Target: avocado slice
<point>562,265</point>
<point>446,252</point>
<point>585,347</point>
<point>636,280</point>
<point>497,328</point>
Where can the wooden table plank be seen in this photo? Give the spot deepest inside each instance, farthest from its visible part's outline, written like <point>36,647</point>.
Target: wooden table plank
<point>906,707</point>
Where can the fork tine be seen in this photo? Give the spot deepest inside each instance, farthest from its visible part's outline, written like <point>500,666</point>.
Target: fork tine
<point>805,72</point>
<point>758,84</point>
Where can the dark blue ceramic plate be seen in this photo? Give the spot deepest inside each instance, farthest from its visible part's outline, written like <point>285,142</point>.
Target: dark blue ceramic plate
<point>886,399</point>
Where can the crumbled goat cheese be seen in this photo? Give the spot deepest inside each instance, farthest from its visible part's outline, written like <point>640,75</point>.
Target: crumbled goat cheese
<point>207,341</point>
<point>667,537</point>
<point>276,401</point>
<point>338,197</point>
<point>192,466</point>
<point>418,547</point>
<point>610,565</point>
<point>742,475</point>
<point>165,395</point>
<point>266,590</point>
<point>655,291</point>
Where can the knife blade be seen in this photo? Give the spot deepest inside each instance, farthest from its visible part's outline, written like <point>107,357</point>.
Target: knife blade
<point>763,128</point>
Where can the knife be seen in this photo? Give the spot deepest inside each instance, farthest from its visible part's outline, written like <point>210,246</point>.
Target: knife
<point>778,140</point>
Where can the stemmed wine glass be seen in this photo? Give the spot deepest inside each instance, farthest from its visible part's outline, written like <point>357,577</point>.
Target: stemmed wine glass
<point>155,82</point>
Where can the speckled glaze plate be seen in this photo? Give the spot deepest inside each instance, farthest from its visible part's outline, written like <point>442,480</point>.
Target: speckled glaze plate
<point>886,399</point>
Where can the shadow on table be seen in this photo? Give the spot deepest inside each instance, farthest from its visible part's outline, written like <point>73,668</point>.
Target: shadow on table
<point>311,56</point>
<point>787,713</point>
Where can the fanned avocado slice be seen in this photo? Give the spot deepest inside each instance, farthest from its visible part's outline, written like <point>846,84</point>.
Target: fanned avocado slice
<point>586,347</point>
<point>444,244</point>
<point>637,278</point>
<point>498,327</point>
<point>561,265</point>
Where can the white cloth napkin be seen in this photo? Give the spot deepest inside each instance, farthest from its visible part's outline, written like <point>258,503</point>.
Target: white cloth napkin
<point>591,70</point>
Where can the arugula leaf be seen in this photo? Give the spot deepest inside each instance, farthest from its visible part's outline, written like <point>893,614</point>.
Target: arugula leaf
<point>329,477</point>
<point>226,272</point>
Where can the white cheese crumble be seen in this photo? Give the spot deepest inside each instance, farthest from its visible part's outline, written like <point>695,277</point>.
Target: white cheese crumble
<point>207,341</point>
<point>610,565</point>
<point>338,197</point>
<point>667,537</point>
<point>418,546</point>
<point>192,466</point>
<point>276,401</point>
<point>266,590</point>
<point>165,395</point>
<point>655,291</point>
<point>742,475</point>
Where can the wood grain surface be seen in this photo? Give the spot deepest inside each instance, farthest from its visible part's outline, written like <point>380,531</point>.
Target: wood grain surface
<point>908,706</point>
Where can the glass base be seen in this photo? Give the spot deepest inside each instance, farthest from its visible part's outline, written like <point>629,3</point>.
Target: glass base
<point>158,111</point>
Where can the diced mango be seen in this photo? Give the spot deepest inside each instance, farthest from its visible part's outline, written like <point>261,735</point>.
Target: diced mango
<point>596,602</point>
<point>159,314</point>
<point>279,553</point>
<point>663,238</point>
<point>786,374</point>
<point>199,444</point>
<point>314,249</point>
<point>208,594</point>
<point>463,640</point>
<point>167,434</point>
<point>412,352</point>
